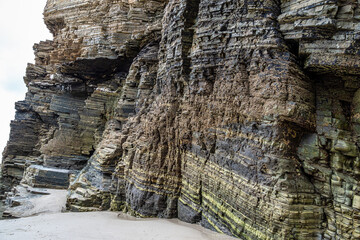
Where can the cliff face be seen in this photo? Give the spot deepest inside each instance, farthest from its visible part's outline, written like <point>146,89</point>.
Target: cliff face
<point>240,115</point>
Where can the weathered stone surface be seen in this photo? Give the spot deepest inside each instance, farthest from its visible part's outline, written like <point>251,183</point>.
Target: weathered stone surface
<point>239,115</point>
<point>45,177</point>
<point>76,80</point>
<point>93,188</point>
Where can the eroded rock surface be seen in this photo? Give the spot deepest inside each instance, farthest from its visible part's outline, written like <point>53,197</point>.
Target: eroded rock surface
<point>240,115</point>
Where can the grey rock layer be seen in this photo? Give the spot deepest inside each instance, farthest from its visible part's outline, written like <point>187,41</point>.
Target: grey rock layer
<point>240,115</point>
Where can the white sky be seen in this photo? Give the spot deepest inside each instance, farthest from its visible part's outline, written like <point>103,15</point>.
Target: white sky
<point>21,25</point>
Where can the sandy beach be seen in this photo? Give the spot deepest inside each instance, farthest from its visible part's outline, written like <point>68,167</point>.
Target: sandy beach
<point>102,225</point>
<point>41,218</point>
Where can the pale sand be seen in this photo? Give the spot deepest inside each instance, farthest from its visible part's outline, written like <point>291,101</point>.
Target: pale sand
<point>102,225</point>
<point>36,204</point>
<point>51,224</point>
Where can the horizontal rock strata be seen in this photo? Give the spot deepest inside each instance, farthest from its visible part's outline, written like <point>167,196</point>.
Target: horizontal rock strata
<point>242,116</point>
<point>44,177</point>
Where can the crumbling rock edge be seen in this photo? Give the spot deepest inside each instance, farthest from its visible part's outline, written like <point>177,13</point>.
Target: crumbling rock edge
<point>242,116</point>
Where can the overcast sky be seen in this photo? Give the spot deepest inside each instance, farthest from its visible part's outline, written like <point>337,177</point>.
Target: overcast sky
<point>21,25</point>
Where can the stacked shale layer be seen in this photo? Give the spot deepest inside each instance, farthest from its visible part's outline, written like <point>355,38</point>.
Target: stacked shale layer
<point>240,115</point>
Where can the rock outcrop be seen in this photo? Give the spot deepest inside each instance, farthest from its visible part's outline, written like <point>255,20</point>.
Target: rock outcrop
<point>239,115</point>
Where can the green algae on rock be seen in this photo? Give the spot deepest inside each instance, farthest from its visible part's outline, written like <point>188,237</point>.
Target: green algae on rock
<point>242,116</point>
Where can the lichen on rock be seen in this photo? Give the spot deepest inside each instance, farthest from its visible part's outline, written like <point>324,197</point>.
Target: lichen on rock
<point>242,116</point>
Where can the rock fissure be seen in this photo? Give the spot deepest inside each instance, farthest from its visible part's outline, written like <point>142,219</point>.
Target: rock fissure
<point>242,116</point>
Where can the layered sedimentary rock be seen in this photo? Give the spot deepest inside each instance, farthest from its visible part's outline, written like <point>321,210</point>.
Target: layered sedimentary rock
<point>69,102</point>
<point>240,115</point>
